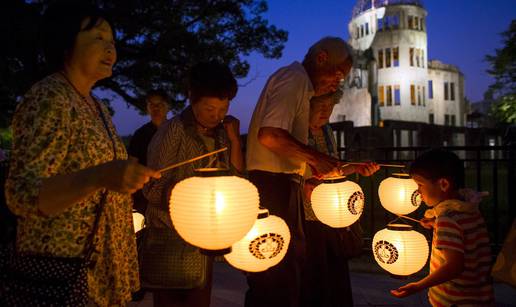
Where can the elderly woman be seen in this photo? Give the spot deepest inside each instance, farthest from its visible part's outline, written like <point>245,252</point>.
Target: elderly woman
<point>67,157</point>
<point>176,272</point>
<point>326,275</point>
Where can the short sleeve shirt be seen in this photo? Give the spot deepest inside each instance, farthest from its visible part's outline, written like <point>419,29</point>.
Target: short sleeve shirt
<point>284,103</point>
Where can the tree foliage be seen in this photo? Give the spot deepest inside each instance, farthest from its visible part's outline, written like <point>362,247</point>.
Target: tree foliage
<point>503,69</point>
<point>504,110</point>
<point>157,42</point>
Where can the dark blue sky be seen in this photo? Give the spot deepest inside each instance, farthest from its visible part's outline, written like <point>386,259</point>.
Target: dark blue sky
<point>460,32</point>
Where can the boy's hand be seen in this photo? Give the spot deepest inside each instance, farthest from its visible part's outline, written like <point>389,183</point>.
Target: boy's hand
<point>406,290</point>
<point>428,223</point>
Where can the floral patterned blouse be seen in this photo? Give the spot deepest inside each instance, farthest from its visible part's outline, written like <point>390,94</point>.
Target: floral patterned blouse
<point>55,132</point>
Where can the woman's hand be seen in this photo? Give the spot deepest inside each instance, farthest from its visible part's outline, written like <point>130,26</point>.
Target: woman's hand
<point>125,176</point>
<point>232,127</point>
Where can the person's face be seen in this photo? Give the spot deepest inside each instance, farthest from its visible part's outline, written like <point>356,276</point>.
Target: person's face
<point>210,111</point>
<point>93,52</point>
<point>157,108</point>
<point>327,76</point>
<point>432,191</point>
<point>320,112</point>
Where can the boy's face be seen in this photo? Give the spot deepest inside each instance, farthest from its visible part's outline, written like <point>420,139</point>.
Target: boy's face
<point>432,191</point>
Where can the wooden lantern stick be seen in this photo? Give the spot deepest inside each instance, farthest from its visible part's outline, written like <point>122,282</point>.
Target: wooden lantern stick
<point>380,164</point>
<point>409,218</point>
<point>192,160</point>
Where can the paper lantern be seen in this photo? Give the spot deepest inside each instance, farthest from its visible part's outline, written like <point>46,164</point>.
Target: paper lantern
<point>399,194</point>
<point>400,250</point>
<point>138,221</point>
<point>213,209</point>
<point>264,246</point>
<point>338,202</point>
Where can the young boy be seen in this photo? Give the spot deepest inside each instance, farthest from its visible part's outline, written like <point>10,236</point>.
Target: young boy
<point>461,257</point>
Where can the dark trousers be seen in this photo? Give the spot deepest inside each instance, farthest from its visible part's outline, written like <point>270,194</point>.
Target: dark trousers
<point>326,281</point>
<point>280,285</point>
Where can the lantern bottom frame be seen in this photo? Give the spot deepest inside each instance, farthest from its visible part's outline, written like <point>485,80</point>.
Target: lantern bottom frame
<point>215,252</point>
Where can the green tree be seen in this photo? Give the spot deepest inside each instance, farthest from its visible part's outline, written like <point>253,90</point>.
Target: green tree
<point>503,69</point>
<point>504,110</point>
<point>157,42</point>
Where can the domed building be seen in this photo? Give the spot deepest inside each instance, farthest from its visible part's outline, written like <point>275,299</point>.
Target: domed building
<point>393,78</point>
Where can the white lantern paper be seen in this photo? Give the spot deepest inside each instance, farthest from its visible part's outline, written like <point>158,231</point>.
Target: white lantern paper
<point>400,250</point>
<point>399,195</point>
<point>264,246</point>
<point>213,211</point>
<point>138,221</point>
<point>338,202</point>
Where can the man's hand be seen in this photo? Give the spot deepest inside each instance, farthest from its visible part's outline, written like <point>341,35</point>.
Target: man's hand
<point>406,290</point>
<point>367,168</point>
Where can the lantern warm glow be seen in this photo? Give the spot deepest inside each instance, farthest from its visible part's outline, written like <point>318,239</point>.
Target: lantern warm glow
<point>214,210</point>
<point>338,202</point>
<point>399,195</point>
<point>400,250</point>
<point>138,221</point>
<point>264,246</point>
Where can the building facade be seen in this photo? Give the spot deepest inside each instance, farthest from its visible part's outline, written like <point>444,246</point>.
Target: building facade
<point>404,85</point>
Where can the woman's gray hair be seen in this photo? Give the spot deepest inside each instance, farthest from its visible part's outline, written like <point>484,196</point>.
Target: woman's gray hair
<point>338,50</point>
<point>334,97</point>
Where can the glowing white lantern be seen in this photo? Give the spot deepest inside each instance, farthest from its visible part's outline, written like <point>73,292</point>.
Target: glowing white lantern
<point>400,250</point>
<point>263,246</point>
<point>338,202</point>
<point>138,221</point>
<point>213,210</point>
<point>399,195</point>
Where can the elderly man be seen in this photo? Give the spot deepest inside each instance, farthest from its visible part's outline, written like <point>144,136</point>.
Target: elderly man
<point>277,155</point>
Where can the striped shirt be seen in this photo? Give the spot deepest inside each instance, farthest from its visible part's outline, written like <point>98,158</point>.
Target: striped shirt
<point>465,233</point>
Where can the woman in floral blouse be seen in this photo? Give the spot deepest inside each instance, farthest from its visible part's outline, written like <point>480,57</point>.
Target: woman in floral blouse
<point>63,158</point>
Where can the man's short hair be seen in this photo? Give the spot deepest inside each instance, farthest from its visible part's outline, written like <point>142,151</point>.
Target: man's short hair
<point>337,49</point>
<point>438,163</point>
<point>158,93</point>
<point>333,96</point>
<point>211,79</point>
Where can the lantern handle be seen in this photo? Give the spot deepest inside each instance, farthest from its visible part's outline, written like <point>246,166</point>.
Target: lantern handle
<point>192,160</point>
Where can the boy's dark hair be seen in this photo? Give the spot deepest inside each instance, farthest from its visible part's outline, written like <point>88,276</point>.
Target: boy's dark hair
<point>159,93</point>
<point>211,79</point>
<point>61,24</point>
<point>438,163</point>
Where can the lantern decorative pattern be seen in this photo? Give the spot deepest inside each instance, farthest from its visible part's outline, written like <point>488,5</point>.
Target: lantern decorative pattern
<point>338,202</point>
<point>399,194</point>
<point>400,250</point>
<point>264,246</point>
<point>213,210</point>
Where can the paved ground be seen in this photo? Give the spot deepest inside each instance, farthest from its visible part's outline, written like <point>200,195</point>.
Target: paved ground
<point>370,288</point>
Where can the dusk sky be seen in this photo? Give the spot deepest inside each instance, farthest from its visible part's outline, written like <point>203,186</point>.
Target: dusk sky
<point>460,32</point>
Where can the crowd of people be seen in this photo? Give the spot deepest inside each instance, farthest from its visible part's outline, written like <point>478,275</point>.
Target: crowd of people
<point>67,160</point>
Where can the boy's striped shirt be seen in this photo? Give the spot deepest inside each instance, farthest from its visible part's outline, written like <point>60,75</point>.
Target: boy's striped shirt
<point>465,233</point>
